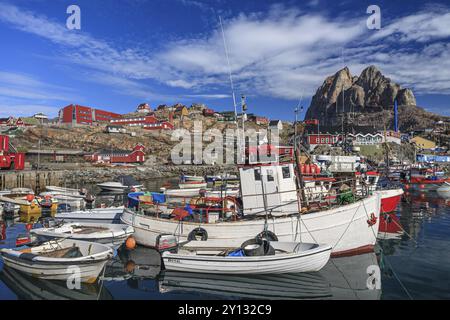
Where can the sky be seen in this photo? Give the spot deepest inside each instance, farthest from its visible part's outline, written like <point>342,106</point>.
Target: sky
<point>167,51</point>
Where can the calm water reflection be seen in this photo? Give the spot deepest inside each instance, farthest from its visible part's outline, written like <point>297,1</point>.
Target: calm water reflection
<point>413,261</point>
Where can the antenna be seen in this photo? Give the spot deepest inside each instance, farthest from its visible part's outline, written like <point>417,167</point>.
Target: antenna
<point>229,68</point>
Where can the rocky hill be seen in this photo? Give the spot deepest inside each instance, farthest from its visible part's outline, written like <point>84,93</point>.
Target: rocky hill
<point>365,99</point>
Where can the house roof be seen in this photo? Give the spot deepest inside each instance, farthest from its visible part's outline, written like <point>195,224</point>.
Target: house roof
<point>274,122</point>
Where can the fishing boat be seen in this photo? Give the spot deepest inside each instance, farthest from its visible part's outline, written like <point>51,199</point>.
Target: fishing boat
<point>191,192</point>
<point>34,205</point>
<point>186,178</point>
<point>98,215</point>
<point>123,183</point>
<point>110,234</point>
<point>192,185</point>
<point>269,206</point>
<point>74,202</point>
<point>424,179</point>
<point>56,259</point>
<point>444,190</point>
<point>219,257</point>
<point>66,191</point>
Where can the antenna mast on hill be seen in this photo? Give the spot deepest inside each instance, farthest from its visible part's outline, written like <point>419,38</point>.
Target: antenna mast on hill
<point>229,68</point>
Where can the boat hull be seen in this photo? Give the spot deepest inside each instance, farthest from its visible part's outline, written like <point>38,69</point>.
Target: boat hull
<point>345,228</point>
<point>94,216</point>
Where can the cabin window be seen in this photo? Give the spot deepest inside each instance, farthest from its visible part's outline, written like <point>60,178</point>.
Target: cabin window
<point>270,175</point>
<point>286,172</point>
<point>257,174</point>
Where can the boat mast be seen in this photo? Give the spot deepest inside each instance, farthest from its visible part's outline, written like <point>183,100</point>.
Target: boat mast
<point>229,68</point>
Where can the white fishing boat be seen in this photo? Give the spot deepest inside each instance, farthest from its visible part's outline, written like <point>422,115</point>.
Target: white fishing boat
<point>123,183</point>
<point>192,178</point>
<point>57,259</point>
<point>348,228</point>
<point>98,215</point>
<point>65,191</point>
<point>192,185</point>
<point>75,202</point>
<point>110,234</point>
<point>215,257</point>
<point>181,192</point>
<point>112,186</point>
<point>444,190</point>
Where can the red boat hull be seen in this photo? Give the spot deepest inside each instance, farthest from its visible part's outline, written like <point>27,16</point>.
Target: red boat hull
<point>390,200</point>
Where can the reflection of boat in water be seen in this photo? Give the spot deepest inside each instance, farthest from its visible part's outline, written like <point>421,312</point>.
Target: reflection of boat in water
<point>141,262</point>
<point>30,288</point>
<point>285,286</point>
<point>348,277</point>
<point>341,278</point>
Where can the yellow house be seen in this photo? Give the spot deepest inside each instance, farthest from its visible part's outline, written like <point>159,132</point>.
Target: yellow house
<point>423,143</point>
<point>181,111</point>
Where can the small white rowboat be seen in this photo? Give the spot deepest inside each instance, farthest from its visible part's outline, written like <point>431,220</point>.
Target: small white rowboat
<point>110,234</point>
<point>60,260</point>
<point>206,257</point>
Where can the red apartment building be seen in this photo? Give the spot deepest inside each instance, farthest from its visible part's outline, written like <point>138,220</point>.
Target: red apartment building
<point>80,115</point>
<point>146,122</point>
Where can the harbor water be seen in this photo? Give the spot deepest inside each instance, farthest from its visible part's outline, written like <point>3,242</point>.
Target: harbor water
<point>410,261</point>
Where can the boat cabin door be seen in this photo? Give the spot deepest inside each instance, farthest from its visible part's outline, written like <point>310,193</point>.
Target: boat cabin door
<point>259,189</point>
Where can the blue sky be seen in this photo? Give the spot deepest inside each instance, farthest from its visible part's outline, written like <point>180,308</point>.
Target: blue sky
<point>168,51</point>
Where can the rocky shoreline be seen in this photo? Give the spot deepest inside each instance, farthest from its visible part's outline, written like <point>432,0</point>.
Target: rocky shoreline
<point>141,173</point>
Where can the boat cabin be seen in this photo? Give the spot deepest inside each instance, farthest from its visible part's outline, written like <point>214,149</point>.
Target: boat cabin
<point>269,189</point>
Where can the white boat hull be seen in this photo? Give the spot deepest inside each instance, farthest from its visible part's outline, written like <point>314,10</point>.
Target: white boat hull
<point>345,228</point>
<point>192,185</point>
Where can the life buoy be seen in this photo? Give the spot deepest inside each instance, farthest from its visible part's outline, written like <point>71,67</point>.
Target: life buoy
<point>268,235</point>
<point>197,233</point>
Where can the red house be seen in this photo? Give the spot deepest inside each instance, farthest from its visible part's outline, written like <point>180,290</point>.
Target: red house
<point>314,140</point>
<point>208,112</point>
<point>10,160</point>
<point>76,115</point>
<point>137,155</point>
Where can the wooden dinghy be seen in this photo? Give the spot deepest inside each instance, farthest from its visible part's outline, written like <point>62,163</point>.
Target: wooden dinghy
<point>60,259</point>
<point>253,257</point>
<point>110,234</point>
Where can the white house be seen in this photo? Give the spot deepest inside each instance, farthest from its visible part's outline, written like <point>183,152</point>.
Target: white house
<point>275,125</point>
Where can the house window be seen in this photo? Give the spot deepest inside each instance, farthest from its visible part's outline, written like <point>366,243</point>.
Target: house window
<point>286,172</point>
<point>270,176</point>
<point>257,174</point>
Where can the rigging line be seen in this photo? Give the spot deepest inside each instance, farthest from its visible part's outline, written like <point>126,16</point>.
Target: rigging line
<point>229,68</point>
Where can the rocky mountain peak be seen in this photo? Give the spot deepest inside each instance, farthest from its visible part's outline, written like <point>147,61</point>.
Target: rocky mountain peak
<point>369,92</point>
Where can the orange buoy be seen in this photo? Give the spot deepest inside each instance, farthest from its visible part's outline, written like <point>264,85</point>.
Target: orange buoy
<point>130,244</point>
<point>28,226</point>
<point>129,267</point>
<point>30,197</point>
